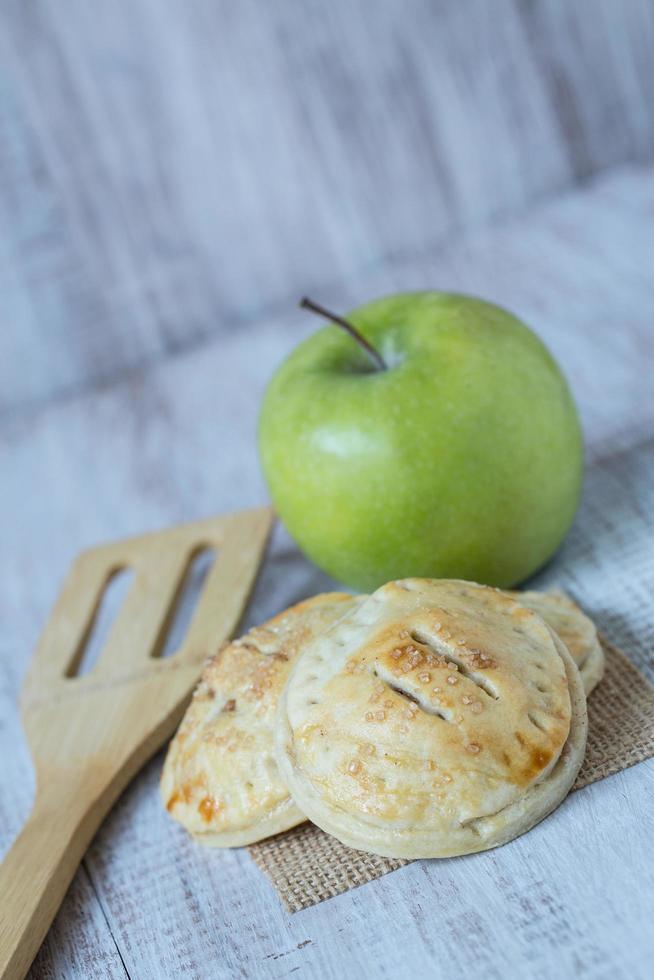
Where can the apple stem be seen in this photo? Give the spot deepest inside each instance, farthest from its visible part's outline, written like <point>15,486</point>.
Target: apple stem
<point>374,355</point>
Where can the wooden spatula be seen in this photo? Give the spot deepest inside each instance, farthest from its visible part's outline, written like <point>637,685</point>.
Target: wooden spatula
<point>89,735</point>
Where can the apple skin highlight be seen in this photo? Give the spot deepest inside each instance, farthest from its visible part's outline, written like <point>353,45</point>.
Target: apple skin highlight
<point>464,459</point>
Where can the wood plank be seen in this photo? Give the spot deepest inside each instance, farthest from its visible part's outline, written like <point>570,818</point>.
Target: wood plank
<point>595,60</point>
<point>166,178</point>
<point>79,943</point>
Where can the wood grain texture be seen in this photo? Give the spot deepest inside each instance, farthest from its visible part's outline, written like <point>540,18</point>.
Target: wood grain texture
<point>177,441</point>
<point>594,58</point>
<point>168,174</point>
<point>79,943</point>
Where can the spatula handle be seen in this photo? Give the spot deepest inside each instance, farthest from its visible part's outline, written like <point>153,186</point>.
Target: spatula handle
<point>35,876</point>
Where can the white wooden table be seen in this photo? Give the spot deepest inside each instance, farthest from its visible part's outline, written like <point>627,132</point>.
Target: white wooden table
<point>575,897</point>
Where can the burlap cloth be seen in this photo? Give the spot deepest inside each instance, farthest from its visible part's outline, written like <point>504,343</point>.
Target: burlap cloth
<point>306,866</point>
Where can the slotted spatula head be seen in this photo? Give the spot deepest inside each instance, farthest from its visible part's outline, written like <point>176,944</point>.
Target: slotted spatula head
<point>90,734</point>
<point>128,704</point>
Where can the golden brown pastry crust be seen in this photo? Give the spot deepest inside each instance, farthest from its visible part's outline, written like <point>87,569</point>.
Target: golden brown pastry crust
<point>437,718</point>
<point>220,778</point>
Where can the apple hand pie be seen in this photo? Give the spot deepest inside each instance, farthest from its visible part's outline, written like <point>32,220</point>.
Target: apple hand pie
<point>435,718</point>
<point>220,778</point>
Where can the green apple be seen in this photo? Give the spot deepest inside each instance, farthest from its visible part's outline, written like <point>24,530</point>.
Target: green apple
<point>461,458</point>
